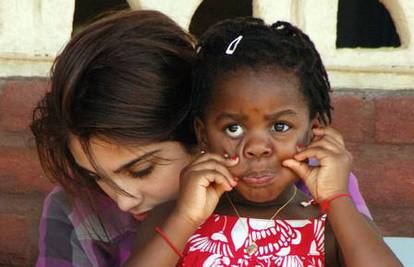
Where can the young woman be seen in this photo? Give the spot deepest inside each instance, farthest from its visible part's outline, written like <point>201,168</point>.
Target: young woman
<point>112,133</point>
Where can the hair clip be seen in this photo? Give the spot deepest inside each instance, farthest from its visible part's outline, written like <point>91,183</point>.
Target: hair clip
<point>198,49</point>
<point>233,45</point>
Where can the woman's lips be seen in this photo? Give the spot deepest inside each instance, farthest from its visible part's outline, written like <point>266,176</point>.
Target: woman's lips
<point>140,216</point>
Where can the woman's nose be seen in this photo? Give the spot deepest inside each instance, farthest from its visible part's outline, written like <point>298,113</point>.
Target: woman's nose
<point>128,202</point>
<point>258,147</point>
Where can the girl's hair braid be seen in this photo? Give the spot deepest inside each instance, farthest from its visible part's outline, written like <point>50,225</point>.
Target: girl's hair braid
<point>281,45</point>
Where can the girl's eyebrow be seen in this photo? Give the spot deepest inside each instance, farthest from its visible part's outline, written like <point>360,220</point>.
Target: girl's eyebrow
<point>135,160</point>
<point>271,116</point>
<point>233,116</point>
<point>278,114</point>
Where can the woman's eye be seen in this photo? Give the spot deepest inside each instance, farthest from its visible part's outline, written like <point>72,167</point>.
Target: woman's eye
<point>280,127</point>
<point>141,173</point>
<point>91,175</point>
<point>234,131</point>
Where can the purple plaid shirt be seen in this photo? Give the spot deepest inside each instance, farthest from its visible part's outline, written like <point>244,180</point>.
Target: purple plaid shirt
<point>64,238</point>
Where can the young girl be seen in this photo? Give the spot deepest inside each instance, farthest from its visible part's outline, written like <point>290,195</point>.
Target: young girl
<point>261,100</point>
<point>112,133</point>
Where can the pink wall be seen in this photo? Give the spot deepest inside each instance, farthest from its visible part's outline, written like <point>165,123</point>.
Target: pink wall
<point>378,127</point>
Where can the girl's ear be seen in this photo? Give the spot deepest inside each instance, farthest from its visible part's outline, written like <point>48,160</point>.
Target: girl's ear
<point>200,130</point>
<point>314,123</point>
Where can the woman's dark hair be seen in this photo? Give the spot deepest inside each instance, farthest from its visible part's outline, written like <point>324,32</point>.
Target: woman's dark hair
<point>125,78</point>
<point>281,46</point>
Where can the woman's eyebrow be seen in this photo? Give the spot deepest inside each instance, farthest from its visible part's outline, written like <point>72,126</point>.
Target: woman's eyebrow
<point>135,160</point>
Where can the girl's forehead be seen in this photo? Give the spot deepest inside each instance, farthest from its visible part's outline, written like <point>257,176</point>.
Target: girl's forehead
<point>256,87</point>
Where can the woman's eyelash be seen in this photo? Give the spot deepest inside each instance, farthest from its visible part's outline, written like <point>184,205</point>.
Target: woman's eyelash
<point>141,173</point>
<point>92,175</point>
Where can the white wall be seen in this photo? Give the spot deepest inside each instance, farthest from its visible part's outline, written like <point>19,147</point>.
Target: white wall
<point>33,31</point>
<point>31,34</point>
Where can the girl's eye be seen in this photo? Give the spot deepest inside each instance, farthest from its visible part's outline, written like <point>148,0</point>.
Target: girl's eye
<point>280,127</point>
<point>141,173</point>
<point>234,130</point>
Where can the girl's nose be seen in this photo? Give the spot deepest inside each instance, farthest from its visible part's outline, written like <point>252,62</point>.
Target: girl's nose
<point>126,203</point>
<point>258,147</point>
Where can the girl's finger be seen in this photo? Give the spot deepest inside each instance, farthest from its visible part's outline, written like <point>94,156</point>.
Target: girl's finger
<point>326,143</point>
<point>335,141</point>
<point>208,178</point>
<point>329,131</point>
<point>302,169</point>
<point>214,165</point>
<point>313,152</point>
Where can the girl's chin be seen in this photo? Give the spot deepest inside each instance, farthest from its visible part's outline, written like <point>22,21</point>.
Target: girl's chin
<point>257,195</point>
<point>261,194</point>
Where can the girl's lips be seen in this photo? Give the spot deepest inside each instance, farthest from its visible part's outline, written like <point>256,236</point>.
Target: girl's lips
<point>258,180</point>
<point>140,216</point>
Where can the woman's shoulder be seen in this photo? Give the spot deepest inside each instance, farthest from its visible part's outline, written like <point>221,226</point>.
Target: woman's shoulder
<point>56,204</point>
<point>69,231</point>
<point>56,242</point>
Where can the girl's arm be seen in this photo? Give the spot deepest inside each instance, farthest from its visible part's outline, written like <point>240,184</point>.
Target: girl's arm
<point>201,186</point>
<point>353,188</point>
<point>360,243</point>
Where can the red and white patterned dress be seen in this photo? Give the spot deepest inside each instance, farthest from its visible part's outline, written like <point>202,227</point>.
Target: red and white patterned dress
<point>224,240</point>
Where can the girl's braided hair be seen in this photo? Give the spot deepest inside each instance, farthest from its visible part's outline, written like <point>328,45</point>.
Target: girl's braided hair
<point>280,45</point>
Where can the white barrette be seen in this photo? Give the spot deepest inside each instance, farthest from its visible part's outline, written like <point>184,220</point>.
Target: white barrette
<point>233,45</point>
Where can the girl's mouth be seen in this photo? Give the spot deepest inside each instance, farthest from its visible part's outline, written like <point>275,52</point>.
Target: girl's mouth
<point>258,179</point>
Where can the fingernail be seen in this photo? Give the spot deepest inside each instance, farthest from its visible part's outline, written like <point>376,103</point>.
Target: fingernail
<point>226,156</point>
<point>300,147</point>
<point>202,152</point>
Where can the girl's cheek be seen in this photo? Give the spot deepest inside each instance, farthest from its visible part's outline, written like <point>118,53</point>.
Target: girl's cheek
<point>231,148</point>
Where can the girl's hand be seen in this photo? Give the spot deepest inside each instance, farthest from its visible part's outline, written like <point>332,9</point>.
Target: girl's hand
<point>331,176</point>
<point>201,185</point>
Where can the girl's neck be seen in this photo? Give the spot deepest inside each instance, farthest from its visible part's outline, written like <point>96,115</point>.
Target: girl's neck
<point>246,208</point>
<point>278,201</point>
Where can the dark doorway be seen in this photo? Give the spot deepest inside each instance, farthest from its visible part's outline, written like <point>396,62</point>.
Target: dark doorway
<point>365,23</point>
<point>88,10</point>
<point>210,12</point>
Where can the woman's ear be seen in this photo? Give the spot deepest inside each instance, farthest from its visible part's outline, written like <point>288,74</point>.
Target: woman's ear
<point>201,133</point>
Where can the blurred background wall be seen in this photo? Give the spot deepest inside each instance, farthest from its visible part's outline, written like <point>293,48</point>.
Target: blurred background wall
<point>367,47</point>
